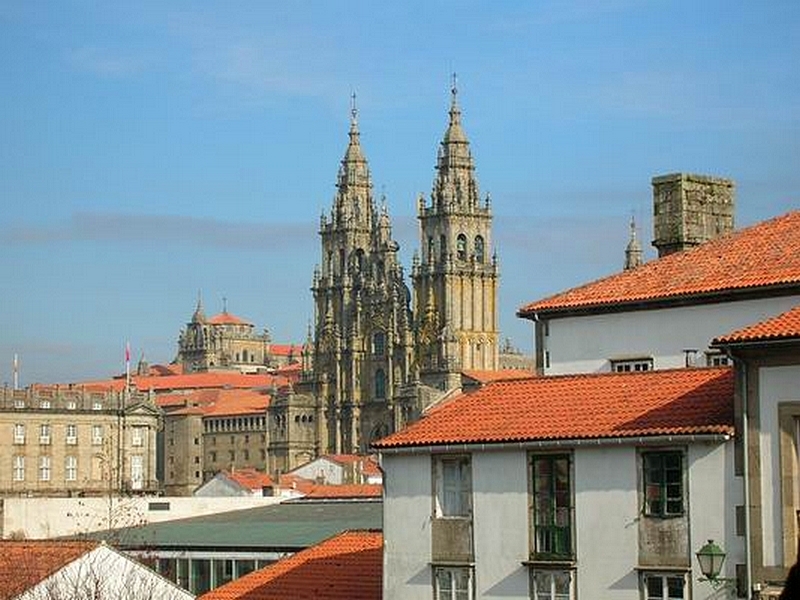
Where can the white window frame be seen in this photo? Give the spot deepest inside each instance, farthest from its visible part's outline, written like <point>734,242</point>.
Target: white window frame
<point>19,433</point>
<point>71,434</point>
<point>19,403</point>
<point>19,467</point>
<point>137,471</point>
<point>550,579</point>
<point>97,405</point>
<point>44,468</point>
<point>453,485</point>
<point>663,577</point>
<point>632,365</point>
<point>45,434</point>
<point>97,435</point>
<point>446,583</point>
<point>717,358</point>
<point>137,435</point>
<point>71,468</point>
<point>45,404</point>
<point>71,405</point>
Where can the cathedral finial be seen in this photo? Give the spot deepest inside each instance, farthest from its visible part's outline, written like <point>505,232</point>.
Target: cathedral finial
<point>454,87</point>
<point>633,251</point>
<point>353,109</point>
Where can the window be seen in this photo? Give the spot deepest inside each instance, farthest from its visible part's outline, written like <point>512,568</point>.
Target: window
<point>552,505</point>
<point>715,358</point>
<point>45,404</point>
<point>71,469</point>
<point>479,249</point>
<point>632,365</point>
<point>663,483</point>
<point>380,384</point>
<point>379,343</point>
<point>137,436</point>
<point>97,405</point>
<point>461,247</point>
<point>452,583</point>
<point>72,434</point>
<point>19,433</point>
<point>213,457</point>
<point>97,435</point>
<point>551,585</point>
<point>71,405</point>
<point>664,586</point>
<point>44,468</point>
<point>453,487</point>
<point>442,248</point>
<point>19,403</point>
<point>137,472</point>
<point>19,468</point>
<point>44,434</point>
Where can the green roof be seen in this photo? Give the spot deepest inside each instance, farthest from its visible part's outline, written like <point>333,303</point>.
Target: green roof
<point>287,526</point>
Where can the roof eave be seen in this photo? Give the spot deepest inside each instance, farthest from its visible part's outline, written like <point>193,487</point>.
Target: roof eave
<point>640,440</point>
<point>726,295</point>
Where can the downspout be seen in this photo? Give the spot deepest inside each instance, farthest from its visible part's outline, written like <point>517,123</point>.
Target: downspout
<point>746,466</point>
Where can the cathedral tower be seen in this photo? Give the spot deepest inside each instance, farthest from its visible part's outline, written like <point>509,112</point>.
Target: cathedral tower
<point>455,277</point>
<point>362,346</point>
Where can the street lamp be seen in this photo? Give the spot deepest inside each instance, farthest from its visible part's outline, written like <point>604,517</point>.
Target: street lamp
<point>711,558</point>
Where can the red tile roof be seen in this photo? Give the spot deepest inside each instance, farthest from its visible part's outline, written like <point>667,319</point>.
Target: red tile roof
<point>215,402</point>
<point>226,318</point>
<point>345,567</point>
<point>784,326</point>
<point>571,407</point>
<point>250,479</point>
<point>188,381</point>
<point>764,256</point>
<point>368,465</point>
<point>345,490</point>
<point>24,564</point>
<point>285,350</point>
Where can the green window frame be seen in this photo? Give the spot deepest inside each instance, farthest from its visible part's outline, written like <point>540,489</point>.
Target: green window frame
<point>552,506</point>
<point>663,483</point>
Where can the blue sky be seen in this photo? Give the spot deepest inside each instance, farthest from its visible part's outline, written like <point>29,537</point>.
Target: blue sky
<point>149,150</point>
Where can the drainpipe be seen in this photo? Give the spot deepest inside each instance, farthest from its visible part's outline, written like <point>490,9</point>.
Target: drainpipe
<point>746,466</point>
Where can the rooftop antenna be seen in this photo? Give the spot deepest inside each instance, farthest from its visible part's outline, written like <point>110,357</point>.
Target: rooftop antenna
<point>224,305</point>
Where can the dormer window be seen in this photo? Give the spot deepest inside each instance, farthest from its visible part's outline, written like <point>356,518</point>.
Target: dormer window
<point>632,365</point>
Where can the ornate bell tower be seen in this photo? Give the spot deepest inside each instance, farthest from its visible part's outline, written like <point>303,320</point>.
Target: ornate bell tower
<point>455,276</point>
<point>363,339</point>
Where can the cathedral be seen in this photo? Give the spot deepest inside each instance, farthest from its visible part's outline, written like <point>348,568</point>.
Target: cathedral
<point>379,353</point>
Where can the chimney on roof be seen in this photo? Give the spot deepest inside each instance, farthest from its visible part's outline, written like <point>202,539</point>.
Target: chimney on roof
<point>689,210</point>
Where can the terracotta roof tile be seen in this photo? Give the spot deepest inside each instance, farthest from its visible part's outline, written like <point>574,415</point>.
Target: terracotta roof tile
<point>498,375</point>
<point>345,567</point>
<point>24,564</point>
<point>226,318</point>
<point>368,465</point>
<point>250,479</point>
<point>607,405</point>
<point>285,350</point>
<point>215,402</point>
<point>363,490</point>
<point>766,255</point>
<point>784,326</point>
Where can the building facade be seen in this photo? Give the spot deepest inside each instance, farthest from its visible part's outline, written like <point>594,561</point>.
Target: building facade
<point>67,441</point>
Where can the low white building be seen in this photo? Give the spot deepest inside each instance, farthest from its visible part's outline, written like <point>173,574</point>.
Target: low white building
<point>584,486</point>
<point>53,570</point>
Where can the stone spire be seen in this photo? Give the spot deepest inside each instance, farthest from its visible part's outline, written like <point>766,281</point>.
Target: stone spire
<point>199,315</point>
<point>455,186</point>
<point>633,251</point>
<point>354,184</point>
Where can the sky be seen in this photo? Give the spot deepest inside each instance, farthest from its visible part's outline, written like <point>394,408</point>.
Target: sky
<point>151,151</point>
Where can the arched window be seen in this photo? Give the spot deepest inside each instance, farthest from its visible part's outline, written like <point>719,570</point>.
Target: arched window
<point>380,384</point>
<point>479,250</point>
<point>461,247</point>
<point>244,355</point>
<point>442,247</point>
<point>431,250</point>
<point>379,343</point>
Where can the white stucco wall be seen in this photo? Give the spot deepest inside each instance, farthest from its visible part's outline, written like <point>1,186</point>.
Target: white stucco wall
<point>714,493</point>
<point>329,471</point>
<point>500,524</point>
<point>776,384</point>
<point>585,344</point>
<point>606,522</point>
<point>407,507</point>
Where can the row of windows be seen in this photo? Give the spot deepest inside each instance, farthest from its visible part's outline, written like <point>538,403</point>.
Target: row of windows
<point>479,248</point>
<point>70,468</point>
<point>457,583</point>
<point>138,434</point>
<point>245,455</point>
<point>628,365</point>
<point>47,404</point>
<point>552,495</point>
<point>213,440</point>
<point>235,424</point>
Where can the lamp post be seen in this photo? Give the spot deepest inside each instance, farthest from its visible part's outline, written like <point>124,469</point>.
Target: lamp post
<point>711,557</point>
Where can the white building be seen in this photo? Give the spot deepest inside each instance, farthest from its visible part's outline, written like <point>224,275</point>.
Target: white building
<point>585,486</point>
<point>665,313</point>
